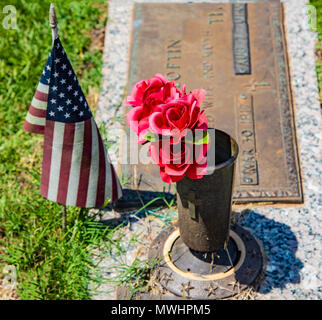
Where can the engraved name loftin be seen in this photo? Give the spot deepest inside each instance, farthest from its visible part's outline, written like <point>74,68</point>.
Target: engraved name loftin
<point>173,59</point>
<point>241,51</point>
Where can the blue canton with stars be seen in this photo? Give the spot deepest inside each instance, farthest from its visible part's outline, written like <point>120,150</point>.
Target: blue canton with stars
<point>66,100</point>
<point>45,76</point>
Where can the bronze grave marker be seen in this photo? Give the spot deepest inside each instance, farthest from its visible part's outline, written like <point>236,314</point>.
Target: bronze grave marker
<point>238,54</point>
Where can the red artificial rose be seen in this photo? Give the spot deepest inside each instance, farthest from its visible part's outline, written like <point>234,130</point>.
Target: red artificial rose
<point>179,159</point>
<point>176,116</point>
<point>145,96</point>
<point>159,107</point>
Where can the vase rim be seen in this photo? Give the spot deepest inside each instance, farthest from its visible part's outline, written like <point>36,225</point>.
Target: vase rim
<point>234,151</point>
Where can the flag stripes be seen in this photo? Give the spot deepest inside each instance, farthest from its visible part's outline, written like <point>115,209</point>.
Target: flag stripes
<point>66,161</point>
<point>32,119</point>
<point>44,88</point>
<point>33,128</point>
<point>46,158</point>
<point>94,169</point>
<point>85,165</point>
<point>56,157</point>
<point>76,168</point>
<point>108,180</point>
<point>37,113</point>
<point>41,96</point>
<point>36,117</point>
<point>39,104</point>
<point>100,195</point>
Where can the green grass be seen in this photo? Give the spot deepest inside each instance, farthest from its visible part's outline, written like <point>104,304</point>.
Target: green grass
<point>318,6</point>
<point>50,264</point>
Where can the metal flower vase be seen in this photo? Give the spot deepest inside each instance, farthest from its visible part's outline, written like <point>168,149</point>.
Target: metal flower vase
<point>204,205</point>
<point>204,257</point>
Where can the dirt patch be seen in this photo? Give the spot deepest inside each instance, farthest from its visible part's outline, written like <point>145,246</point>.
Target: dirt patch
<point>8,294</point>
<point>97,35</point>
<point>97,39</point>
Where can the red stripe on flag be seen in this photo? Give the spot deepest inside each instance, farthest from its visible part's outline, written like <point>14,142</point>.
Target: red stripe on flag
<point>33,128</point>
<point>114,184</point>
<point>66,161</point>
<point>85,165</point>
<point>41,96</point>
<point>37,112</point>
<point>100,193</point>
<point>46,158</point>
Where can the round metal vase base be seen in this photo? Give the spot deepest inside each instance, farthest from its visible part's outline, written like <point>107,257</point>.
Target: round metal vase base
<point>183,273</point>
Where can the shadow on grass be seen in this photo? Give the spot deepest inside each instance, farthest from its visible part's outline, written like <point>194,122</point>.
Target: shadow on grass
<point>134,198</point>
<point>280,245</point>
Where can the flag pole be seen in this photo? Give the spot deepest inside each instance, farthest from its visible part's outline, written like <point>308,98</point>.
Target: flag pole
<point>54,28</point>
<point>53,22</point>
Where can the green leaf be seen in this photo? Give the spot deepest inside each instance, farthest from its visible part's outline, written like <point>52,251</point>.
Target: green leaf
<point>150,136</point>
<point>203,140</point>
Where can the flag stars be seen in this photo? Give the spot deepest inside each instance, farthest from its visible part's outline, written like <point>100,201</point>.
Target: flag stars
<point>67,102</point>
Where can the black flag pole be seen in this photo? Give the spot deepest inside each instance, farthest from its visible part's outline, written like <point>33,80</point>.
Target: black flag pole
<point>54,28</point>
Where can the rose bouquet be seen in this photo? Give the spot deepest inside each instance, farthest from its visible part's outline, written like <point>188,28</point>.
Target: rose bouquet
<point>174,124</point>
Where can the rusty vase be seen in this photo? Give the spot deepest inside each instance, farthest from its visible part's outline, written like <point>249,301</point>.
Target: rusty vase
<point>204,205</point>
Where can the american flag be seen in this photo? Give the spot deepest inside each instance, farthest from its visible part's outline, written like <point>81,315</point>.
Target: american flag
<point>76,169</point>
